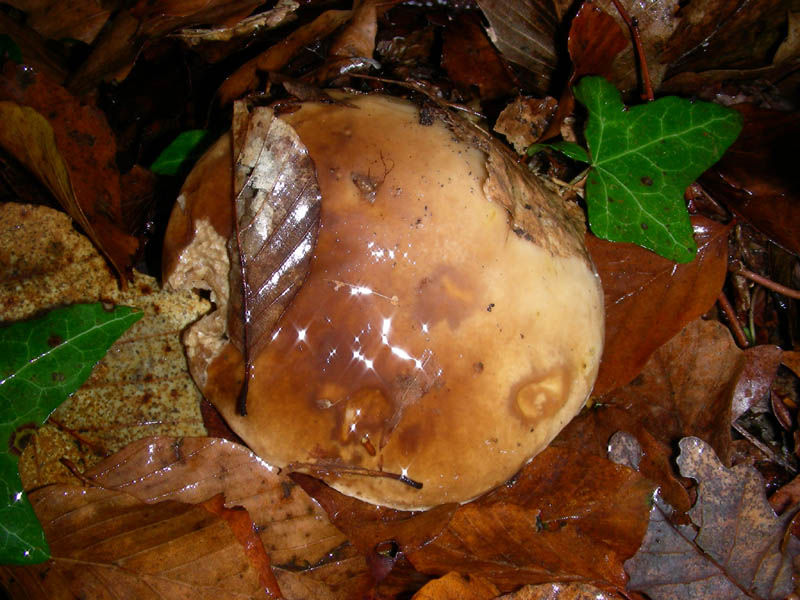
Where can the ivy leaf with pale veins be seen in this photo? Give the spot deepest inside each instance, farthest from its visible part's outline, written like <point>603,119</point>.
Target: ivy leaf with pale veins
<point>42,362</point>
<point>276,220</point>
<point>643,158</point>
<point>736,548</point>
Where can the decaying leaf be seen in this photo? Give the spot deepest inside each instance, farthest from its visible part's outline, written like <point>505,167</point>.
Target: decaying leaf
<point>736,547</point>
<point>109,544</point>
<point>277,217</point>
<point>140,388</point>
<point>649,299</point>
<point>458,586</point>
<point>563,591</point>
<point>52,19</point>
<point>594,41</point>
<point>294,529</point>
<point>71,149</point>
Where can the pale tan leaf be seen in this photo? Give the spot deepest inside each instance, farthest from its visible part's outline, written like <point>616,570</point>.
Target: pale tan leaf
<point>458,586</point>
<point>140,388</point>
<point>562,591</point>
<point>294,529</point>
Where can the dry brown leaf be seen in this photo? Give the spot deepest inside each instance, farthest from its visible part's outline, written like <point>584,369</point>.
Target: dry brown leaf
<point>72,150</point>
<point>649,298</point>
<point>736,548</point>
<point>294,529</point>
<point>457,586</point>
<point>277,203</point>
<point>108,544</point>
<point>140,388</point>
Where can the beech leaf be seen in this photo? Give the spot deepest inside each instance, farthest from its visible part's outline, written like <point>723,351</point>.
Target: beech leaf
<point>643,158</point>
<point>42,362</point>
<point>277,204</point>
<point>736,547</point>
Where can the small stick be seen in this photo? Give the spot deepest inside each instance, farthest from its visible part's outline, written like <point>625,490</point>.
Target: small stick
<point>633,25</point>
<point>767,283</point>
<point>738,332</point>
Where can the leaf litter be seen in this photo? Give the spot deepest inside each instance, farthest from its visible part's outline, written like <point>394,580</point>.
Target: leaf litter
<point>348,572</point>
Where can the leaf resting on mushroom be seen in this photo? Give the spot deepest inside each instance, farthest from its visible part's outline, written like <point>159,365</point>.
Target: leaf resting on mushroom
<point>277,202</point>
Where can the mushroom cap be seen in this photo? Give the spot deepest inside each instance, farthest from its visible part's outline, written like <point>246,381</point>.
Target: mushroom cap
<point>432,339</point>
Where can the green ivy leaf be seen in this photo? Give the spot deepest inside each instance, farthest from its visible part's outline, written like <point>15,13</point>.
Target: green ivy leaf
<point>42,362</point>
<point>643,158</point>
<point>571,149</point>
<point>9,48</point>
<point>182,152</point>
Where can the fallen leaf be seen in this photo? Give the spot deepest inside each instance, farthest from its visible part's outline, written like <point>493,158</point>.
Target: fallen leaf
<point>471,61</point>
<point>245,78</point>
<point>524,31</point>
<point>42,362</point>
<point>81,20</point>
<point>643,158</point>
<point>294,529</point>
<point>525,120</point>
<point>686,387</point>
<point>594,41</point>
<point>718,34</point>
<point>786,497</point>
<point>140,388</point>
<point>756,177</point>
<point>457,586</point>
<point>71,149</point>
<point>109,544</point>
<point>755,379</point>
<point>735,548</point>
<point>182,152</point>
<point>649,298</point>
<point>277,203</point>
<point>791,359</point>
<point>563,591</point>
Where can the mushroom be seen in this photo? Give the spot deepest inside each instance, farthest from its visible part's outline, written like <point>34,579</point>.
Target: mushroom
<point>450,326</point>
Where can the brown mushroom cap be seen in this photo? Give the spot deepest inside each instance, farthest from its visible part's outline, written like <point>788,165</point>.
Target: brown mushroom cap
<point>429,340</point>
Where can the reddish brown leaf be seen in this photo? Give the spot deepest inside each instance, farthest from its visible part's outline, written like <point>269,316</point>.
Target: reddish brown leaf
<point>594,41</point>
<point>71,148</point>
<point>686,387</point>
<point>592,430</point>
<point>786,497</point>
<point>457,586</point>
<point>755,379</point>
<point>277,218</point>
<point>243,528</point>
<point>649,298</point>
<point>110,545</point>
<point>757,176</point>
<point>567,516</point>
<point>245,78</point>
<point>736,544</point>
<point>792,361</point>
<point>525,120</point>
<point>52,19</point>
<point>471,61</point>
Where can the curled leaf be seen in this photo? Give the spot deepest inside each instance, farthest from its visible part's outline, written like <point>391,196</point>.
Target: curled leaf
<point>276,222</point>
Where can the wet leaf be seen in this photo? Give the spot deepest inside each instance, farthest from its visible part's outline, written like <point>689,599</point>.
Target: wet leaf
<point>71,150</point>
<point>524,121</point>
<point>524,32</point>
<point>594,41</point>
<point>686,387</point>
<point>277,217</point>
<point>756,178</point>
<point>755,379</point>
<point>42,362</point>
<point>563,591</point>
<point>649,298</point>
<point>735,548</point>
<point>109,544</point>
<point>643,158</point>
<point>293,528</point>
<point>182,152</point>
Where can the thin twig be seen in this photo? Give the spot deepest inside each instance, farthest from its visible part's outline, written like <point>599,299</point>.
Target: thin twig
<point>633,25</point>
<point>738,332</point>
<point>767,283</point>
<point>774,456</point>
